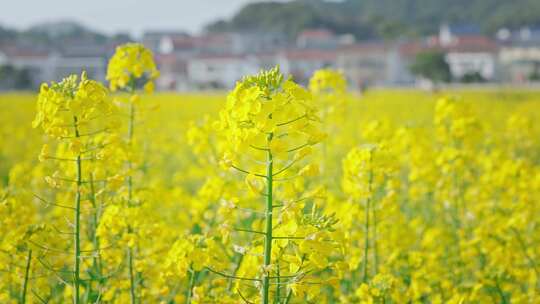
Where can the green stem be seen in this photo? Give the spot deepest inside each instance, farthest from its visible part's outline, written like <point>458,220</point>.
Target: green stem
<point>96,260</point>
<point>374,241</point>
<point>26,276</point>
<point>500,291</point>
<point>268,228</point>
<point>278,285</point>
<point>236,268</point>
<point>192,280</point>
<point>131,275</point>
<point>77,235</point>
<point>366,232</point>
<point>366,243</point>
<point>289,295</point>
<point>130,140</point>
<point>130,252</point>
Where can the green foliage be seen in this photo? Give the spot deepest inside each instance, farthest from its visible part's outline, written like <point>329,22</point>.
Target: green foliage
<point>57,34</point>
<point>13,78</point>
<point>535,74</point>
<point>431,65</point>
<point>474,77</point>
<point>380,18</point>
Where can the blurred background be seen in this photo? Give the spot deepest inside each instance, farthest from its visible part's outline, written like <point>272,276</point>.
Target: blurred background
<point>210,44</point>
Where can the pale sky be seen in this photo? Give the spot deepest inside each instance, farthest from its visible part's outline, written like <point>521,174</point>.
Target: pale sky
<point>112,16</point>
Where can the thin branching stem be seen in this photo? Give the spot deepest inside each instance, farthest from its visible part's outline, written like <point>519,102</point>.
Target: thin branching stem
<point>228,276</point>
<point>249,230</point>
<point>26,276</point>
<point>285,168</point>
<point>244,298</point>
<point>268,226</point>
<point>130,253</point>
<point>247,172</point>
<point>192,279</point>
<point>291,121</point>
<point>77,236</point>
<point>42,200</point>
<point>366,232</point>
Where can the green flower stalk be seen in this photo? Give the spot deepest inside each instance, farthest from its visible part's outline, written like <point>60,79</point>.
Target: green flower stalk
<point>131,65</point>
<point>270,126</point>
<point>73,112</point>
<point>268,226</point>
<point>26,276</point>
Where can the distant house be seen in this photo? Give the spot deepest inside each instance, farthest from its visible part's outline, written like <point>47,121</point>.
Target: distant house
<point>183,59</point>
<point>405,56</point>
<point>80,56</point>
<point>317,39</point>
<point>256,42</point>
<point>246,42</point>
<point>302,63</point>
<point>154,39</point>
<point>519,54</point>
<point>36,61</point>
<point>172,52</point>
<point>173,72</point>
<point>366,63</point>
<point>472,55</point>
<point>221,70</point>
<point>181,46</point>
<point>451,34</point>
<point>95,67</point>
<point>468,52</point>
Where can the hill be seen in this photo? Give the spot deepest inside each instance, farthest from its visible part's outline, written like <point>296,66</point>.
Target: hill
<point>368,19</point>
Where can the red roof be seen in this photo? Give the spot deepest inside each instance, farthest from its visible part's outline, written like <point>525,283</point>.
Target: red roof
<point>310,54</point>
<point>411,49</point>
<point>473,44</point>
<point>25,52</point>
<point>183,42</point>
<point>165,58</point>
<point>316,33</point>
<point>462,44</point>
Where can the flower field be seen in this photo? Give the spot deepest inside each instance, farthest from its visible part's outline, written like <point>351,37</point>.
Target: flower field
<point>270,193</point>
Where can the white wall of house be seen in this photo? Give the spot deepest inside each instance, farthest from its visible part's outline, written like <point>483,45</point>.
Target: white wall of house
<point>516,53</point>
<point>462,64</point>
<point>364,68</point>
<point>221,71</point>
<point>302,68</point>
<point>95,67</point>
<point>519,62</point>
<point>41,68</point>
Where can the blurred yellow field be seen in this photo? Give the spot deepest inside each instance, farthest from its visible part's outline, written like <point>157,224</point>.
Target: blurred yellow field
<point>398,107</point>
<point>271,193</point>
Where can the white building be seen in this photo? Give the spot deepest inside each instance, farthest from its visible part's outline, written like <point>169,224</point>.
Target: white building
<point>463,63</point>
<point>519,54</point>
<point>38,64</point>
<point>365,63</point>
<point>60,67</point>
<point>467,51</point>
<point>302,63</point>
<point>220,71</point>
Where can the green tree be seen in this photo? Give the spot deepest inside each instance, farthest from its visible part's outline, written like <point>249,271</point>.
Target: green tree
<point>13,78</point>
<point>431,65</point>
<point>369,19</point>
<point>473,77</point>
<point>535,74</point>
